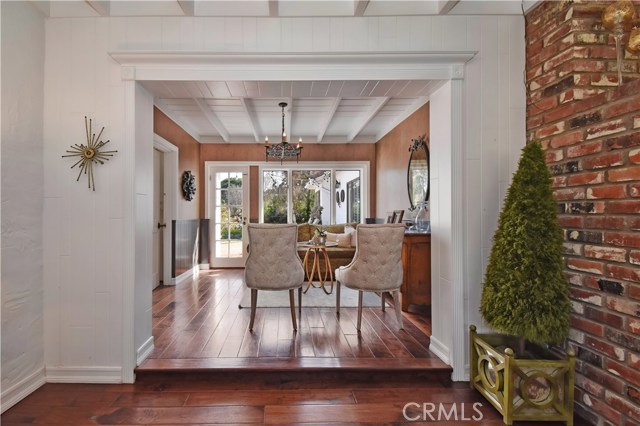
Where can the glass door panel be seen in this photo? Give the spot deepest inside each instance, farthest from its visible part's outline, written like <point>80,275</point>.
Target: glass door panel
<point>230,211</point>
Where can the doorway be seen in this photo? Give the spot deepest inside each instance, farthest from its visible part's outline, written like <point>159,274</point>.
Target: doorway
<point>158,217</point>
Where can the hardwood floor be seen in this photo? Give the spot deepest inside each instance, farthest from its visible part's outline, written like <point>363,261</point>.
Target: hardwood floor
<point>208,370</point>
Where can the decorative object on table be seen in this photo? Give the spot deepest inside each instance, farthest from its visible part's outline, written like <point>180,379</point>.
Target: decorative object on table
<point>188,185</point>
<point>283,150</point>
<point>418,171</point>
<point>421,219</point>
<point>319,236</point>
<point>397,216</point>
<point>526,295</point>
<point>90,154</point>
<point>618,18</point>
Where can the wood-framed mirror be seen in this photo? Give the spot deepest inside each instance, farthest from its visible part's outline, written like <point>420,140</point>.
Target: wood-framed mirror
<point>418,171</point>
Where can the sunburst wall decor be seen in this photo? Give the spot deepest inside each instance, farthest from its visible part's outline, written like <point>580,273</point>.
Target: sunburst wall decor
<point>89,154</point>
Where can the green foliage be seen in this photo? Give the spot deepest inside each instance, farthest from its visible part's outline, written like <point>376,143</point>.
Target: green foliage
<point>525,291</point>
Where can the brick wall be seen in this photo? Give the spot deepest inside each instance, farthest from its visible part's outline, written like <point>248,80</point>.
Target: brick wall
<point>590,128</point>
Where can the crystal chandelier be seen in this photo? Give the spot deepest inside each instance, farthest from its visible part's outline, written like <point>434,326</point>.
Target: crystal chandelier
<point>283,150</point>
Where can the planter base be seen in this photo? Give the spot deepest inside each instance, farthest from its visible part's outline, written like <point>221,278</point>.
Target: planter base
<point>521,389</point>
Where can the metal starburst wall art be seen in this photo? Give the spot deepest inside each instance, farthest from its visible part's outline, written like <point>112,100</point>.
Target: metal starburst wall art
<point>89,154</point>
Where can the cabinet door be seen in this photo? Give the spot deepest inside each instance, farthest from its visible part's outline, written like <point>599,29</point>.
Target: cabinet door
<point>416,260</point>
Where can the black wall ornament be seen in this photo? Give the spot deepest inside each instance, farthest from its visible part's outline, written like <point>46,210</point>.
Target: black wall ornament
<point>188,185</point>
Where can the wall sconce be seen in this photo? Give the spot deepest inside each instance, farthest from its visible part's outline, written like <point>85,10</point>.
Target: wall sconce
<point>633,46</point>
<point>618,18</point>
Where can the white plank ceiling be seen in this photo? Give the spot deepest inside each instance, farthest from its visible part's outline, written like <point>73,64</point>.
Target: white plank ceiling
<point>318,111</point>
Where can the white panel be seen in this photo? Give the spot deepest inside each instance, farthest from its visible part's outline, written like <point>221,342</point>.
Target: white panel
<point>373,32</point>
<point>436,33</point>
<point>144,33</point>
<point>322,34</point>
<point>337,35</point>
<point>270,39</point>
<point>172,34</point>
<point>214,37</point>
<point>302,34</point>
<point>103,323</point>
<point>403,31</point>
<point>473,93</point>
<point>233,35</point>
<point>420,33</point>
<point>387,34</point>
<point>82,70</point>
<point>250,34</point>
<point>356,34</point>
<point>473,237</point>
<point>454,33</point>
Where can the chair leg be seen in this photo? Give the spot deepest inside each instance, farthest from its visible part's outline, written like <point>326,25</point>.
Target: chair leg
<point>300,300</point>
<point>337,297</point>
<point>382,297</point>
<point>396,302</point>
<point>254,302</point>
<point>292,299</point>
<point>359,310</point>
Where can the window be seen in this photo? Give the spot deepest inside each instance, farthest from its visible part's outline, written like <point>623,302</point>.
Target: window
<point>308,194</point>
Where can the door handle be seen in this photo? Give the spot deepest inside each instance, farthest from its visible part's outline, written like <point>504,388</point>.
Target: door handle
<point>162,225</point>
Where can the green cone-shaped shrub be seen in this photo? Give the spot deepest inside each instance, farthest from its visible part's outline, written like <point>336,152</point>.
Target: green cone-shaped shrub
<point>525,291</point>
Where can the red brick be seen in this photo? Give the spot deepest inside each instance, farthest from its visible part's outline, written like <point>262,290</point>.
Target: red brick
<point>606,317</point>
<point>588,326</point>
<point>557,34</point>
<point>568,138</point>
<point>603,52</point>
<point>604,79</point>
<point>607,191</point>
<point>581,79</point>
<point>547,131</point>
<point>622,405</point>
<point>605,410</point>
<point>534,72</point>
<point>559,181</point>
<point>542,81</point>
<point>633,291</point>
<point>562,112</point>
<point>602,161</point>
<point>584,149</point>
<point>605,129</point>
<point>634,190</point>
<point>613,254</point>
<point>533,122</point>
<point>634,326</point>
<point>623,175</point>
<point>571,221</point>
<point>608,380</point>
<point>624,207</point>
<point>586,266</point>
<point>569,194</point>
<point>623,306</point>
<point>588,296</point>
<point>546,104</point>
<point>624,141</point>
<point>588,385</point>
<point>622,239</point>
<point>634,156</point>
<point>605,348</point>
<point>560,58</point>
<point>553,156</point>
<point>633,361</point>
<point>604,222</point>
<point>590,178</point>
<point>624,273</point>
<point>634,257</point>
<point>621,108</point>
<point>629,374</point>
<point>567,95</point>
<point>626,90</point>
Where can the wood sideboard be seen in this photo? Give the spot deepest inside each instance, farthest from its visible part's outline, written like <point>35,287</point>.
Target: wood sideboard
<point>416,264</point>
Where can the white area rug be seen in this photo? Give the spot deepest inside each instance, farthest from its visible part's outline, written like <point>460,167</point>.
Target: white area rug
<point>314,298</point>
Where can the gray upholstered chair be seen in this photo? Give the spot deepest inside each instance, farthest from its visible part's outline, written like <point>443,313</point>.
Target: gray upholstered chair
<point>273,263</point>
<point>376,266</point>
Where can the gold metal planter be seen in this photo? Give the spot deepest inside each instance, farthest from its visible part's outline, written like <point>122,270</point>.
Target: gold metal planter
<point>521,389</point>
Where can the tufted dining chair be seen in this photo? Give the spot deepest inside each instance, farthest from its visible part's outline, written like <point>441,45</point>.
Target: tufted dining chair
<point>376,265</point>
<point>273,263</point>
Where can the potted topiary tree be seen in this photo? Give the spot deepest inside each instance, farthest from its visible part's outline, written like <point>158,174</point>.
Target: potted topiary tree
<point>526,296</point>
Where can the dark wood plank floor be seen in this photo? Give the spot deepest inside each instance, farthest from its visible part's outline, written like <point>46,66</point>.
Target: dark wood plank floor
<point>201,319</point>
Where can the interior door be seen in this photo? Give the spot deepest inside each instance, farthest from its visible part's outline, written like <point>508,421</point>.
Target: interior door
<point>158,215</point>
<point>230,211</point>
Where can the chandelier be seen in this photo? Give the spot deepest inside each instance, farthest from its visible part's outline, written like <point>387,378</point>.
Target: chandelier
<point>283,150</point>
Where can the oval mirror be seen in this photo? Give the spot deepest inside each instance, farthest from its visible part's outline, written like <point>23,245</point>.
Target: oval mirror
<point>418,172</point>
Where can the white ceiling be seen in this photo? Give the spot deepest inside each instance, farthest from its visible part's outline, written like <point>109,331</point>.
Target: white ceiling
<point>318,111</point>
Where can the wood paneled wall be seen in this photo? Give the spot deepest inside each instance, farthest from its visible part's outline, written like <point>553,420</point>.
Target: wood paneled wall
<point>188,159</point>
<point>311,152</point>
<point>392,160</point>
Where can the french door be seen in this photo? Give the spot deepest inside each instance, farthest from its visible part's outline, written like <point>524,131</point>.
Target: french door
<point>228,208</point>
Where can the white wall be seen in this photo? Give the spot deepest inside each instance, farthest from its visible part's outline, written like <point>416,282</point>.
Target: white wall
<point>86,234</point>
<point>22,179</point>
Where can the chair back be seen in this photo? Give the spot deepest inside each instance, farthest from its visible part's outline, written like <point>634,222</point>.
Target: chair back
<point>273,262</point>
<point>377,263</point>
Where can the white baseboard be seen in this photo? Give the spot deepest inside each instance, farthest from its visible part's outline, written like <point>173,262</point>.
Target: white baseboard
<point>84,374</point>
<point>185,275</point>
<point>440,350</point>
<point>204,266</point>
<point>144,351</point>
<point>20,390</point>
